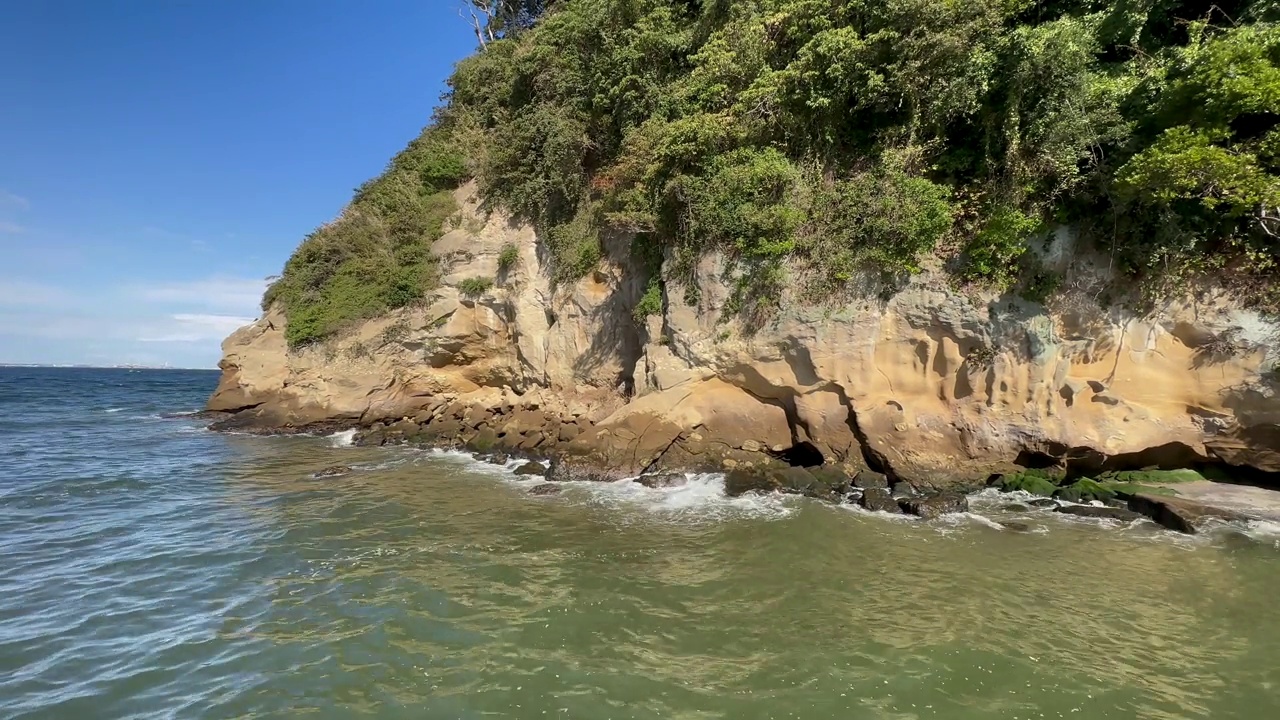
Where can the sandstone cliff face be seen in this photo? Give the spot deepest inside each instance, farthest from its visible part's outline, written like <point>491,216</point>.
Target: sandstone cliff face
<point>933,384</point>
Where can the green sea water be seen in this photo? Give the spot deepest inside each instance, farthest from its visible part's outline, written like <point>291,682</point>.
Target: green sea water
<point>152,569</point>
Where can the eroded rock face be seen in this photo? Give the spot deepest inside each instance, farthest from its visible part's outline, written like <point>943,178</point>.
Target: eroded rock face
<point>937,387</point>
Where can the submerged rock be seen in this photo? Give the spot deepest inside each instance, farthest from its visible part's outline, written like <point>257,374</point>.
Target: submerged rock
<point>333,470</point>
<point>1015,526</point>
<point>1043,502</point>
<point>879,500</point>
<point>497,459</point>
<point>533,467</point>
<point>934,505</point>
<point>1015,507</point>
<point>1095,511</point>
<point>545,489</point>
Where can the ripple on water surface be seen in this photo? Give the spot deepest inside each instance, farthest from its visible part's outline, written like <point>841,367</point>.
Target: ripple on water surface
<point>156,570</point>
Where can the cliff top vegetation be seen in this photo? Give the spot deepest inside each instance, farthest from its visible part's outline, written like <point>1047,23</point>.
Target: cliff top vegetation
<point>836,139</point>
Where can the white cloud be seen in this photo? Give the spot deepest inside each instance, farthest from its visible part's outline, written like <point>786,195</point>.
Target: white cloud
<point>11,200</point>
<point>235,295</point>
<point>10,228</point>
<point>188,327</point>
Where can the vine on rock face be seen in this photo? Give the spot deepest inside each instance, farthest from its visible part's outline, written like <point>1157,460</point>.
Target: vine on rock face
<point>836,139</point>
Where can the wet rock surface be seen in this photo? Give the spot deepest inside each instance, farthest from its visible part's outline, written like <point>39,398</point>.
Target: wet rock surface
<point>933,506</point>
<point>333,470</point>
<point>879,500</point>
<point>1096,511</point>
<point>545,489</point>
<point>1186,516</point>
<point>532,467</point>
<point>665,480</point>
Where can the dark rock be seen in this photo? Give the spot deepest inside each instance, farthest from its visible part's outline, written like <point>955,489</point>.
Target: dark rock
<point>371,438</point>
<point>497,458</point>
<point>879,500</point>
<point>483,440</point>
<point>566,469</point>
<point>1179,513</point>
<point>1015,526</point>
<point>1084,490</point>
<point>533,467</point>
<point>934,505</point>
<point>333,470</point>
<point>902,488</point>
<point>445,429</point>
<point>545,489</point>
<point>1015,507</point>
<point>1036,482</point>
<point>1095,511</point>
<point>663,480</point>
<point>834,481</point>
<point>1043,502</point>
<point>867,479</point>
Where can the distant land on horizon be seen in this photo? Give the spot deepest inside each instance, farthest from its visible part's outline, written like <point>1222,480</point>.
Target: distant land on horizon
<point>101,367</point>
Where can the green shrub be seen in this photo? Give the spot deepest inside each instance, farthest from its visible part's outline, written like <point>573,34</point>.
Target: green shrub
<point>508,257</point>
<point>475,286</point>
<point>651,302</point>
<point>377,255</point>
<point>884,219</point>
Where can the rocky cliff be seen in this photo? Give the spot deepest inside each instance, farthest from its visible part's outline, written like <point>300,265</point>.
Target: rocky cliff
<point>934,384</point>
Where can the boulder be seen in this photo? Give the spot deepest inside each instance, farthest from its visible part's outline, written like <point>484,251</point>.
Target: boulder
<point>497,458</point>
<point>867,479</point>
<point>1095,511</point>
<point>663,480</point>
<point>1179,513</point>
<point>1015,507</point>
<point>879,500</point>
<point>1084,490</point>
<point>932,506</point>
<point>533,467</point>
<point>484,439</point>
<point>834,481</point>
<point>1043,502</point>
<point>333,470</point>
<point>545,489</point>
<point>1036,482</point>
<point>793,480</point>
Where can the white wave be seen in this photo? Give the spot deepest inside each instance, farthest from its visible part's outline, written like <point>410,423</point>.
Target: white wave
<point>342,438</point>
<point>701,497</point>
<point>113,410</point>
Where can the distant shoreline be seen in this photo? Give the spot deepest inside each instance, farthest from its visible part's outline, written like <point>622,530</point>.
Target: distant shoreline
<point>100,367</point>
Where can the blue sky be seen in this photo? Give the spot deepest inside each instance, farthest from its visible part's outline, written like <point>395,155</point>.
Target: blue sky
<point>159,159</point>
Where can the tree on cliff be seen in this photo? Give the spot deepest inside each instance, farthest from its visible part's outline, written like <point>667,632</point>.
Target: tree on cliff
<point>819,141</point>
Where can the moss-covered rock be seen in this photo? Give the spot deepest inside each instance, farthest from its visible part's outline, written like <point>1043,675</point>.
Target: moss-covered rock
<point>1150,477</point>
<point>1085,490</point>
<point>1036,482</point>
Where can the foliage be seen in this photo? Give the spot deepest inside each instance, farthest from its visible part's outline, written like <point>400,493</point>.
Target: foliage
<point>651,302</point>
<point>376,256</point>
<point>508,257</point>
<point>475,286</point>
<point>837,138</point>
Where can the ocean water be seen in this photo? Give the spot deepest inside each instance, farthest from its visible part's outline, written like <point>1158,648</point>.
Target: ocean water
<point>152,569</point>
